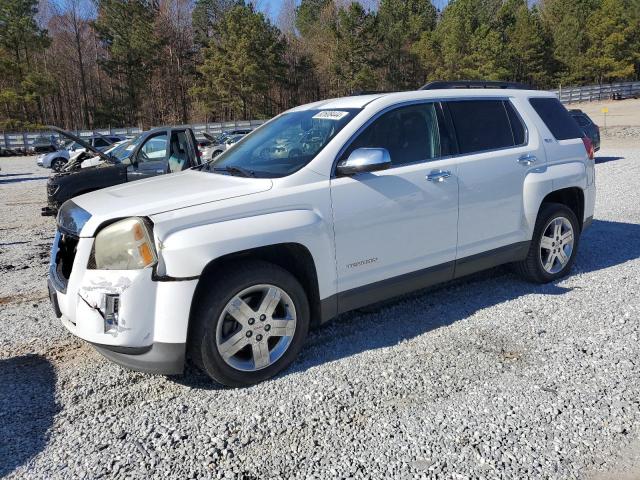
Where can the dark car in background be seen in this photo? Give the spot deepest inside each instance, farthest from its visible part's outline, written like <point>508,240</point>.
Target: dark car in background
<point>156,152</point>
<point>589,128</point>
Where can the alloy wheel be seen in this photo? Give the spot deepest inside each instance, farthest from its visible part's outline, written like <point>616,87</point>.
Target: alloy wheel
<point>556,245</point>
<point>256,327</point>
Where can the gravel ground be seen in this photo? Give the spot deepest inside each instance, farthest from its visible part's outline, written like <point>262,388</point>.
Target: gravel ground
<point>489,377</point>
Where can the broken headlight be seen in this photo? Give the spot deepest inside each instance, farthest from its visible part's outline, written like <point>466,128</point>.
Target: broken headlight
<point>124,245</point>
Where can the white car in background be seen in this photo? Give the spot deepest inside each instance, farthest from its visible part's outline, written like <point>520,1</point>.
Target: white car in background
<point>57,160</point>
<point>220,144</point>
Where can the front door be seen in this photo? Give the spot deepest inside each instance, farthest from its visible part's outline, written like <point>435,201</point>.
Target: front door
<point>395,230</point>
<point>151,158</point>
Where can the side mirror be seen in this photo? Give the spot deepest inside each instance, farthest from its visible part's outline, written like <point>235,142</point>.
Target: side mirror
<point>364,160</point>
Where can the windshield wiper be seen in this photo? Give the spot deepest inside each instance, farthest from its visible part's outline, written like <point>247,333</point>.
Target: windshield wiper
<point>233,170</point>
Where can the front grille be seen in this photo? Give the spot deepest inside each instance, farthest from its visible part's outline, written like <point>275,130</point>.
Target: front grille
<point>63,254</point>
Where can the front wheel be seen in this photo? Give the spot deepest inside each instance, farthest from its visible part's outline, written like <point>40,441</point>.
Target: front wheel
<point>57,164</point>
<point>554,244</point>
<point>250,323</point>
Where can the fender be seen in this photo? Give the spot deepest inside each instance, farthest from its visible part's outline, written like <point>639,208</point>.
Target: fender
<point>550,178</point>
<point>185,253</point>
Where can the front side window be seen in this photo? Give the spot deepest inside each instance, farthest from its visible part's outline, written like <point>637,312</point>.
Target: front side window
<point>284,145</point>
<point>483,125</point>
<point>153,149</point>
<point>410,134</point>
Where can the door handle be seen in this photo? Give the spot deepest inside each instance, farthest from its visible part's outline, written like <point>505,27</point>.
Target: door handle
<point>527,159</point>
<point>438,176</point>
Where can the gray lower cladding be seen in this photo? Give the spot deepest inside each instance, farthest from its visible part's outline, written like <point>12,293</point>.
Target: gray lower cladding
<point>160,358</point>
<point>587,223</point>
<point>410,282</point>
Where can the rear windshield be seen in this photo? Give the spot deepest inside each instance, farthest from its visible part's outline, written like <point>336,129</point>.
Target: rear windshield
<point>556,118</point>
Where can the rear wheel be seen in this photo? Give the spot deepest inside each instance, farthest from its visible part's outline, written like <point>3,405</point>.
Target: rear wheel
<point>251,325</point>
<point>554,244</point>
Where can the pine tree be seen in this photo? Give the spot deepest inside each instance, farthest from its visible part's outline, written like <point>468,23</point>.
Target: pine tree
<point>614,36</point>
<point>243,62</point>
<point>128,34</point>
<point>355,57</point>
<point>401,24</point>
<point>22,83</point>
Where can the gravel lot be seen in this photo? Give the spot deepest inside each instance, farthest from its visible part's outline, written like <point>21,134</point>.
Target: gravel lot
<point>483,378</point>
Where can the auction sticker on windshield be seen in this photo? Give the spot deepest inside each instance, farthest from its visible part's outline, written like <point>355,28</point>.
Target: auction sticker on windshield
<point>331,115</point>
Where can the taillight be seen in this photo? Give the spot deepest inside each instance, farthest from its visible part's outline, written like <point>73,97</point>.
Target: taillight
<point>588,145</point>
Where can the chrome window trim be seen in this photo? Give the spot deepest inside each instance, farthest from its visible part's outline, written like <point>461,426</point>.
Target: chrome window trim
<point>351,139</point>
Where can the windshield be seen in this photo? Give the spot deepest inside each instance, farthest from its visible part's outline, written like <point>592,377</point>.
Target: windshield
<point>285,144</point>
<point>123,151</point>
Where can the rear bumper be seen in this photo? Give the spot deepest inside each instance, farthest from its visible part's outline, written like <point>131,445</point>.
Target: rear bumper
<point>160,358</point>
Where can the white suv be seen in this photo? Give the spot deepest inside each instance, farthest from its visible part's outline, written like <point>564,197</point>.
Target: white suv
<point>326,208</point>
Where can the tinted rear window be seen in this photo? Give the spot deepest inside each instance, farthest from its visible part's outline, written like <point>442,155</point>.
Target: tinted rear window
<point>581,119</point>
<point>483,125</point>
<point>556,118</point>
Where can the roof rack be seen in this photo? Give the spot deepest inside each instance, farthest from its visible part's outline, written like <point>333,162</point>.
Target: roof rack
<point>441,84</point>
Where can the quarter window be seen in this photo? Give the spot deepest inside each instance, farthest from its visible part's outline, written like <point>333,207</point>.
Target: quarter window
<point>410,134</point>
<point>483,125</point>
<point>556,118</point>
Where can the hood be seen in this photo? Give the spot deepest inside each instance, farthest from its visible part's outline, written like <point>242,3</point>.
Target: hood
<point>164,193</point>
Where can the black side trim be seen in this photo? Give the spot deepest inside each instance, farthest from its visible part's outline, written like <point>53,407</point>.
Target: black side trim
<point>409,282</point>
<point>168,278</point>
<point>328,308</point>
<point>160,358</point>
<point>393,287</point>
<point>491,258</point>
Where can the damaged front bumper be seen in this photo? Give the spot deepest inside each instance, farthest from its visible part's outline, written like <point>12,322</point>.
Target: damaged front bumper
<point>127,315</point>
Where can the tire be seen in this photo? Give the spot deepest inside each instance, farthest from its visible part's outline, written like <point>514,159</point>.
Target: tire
<point>57,164</point>
<point>539,266</point>
<point>215,334</point>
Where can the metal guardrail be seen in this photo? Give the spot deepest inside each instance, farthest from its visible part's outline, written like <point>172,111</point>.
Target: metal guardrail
<point>22,140</point>
<point>592,93</point>
<point>587,93</point>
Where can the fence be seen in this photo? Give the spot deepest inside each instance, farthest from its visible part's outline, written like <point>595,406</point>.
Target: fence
<point>24,140</point>
<point>591,93</point>
<point>587,93</point>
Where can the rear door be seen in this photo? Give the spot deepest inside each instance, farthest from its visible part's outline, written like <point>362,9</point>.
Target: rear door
<point>496,155</point>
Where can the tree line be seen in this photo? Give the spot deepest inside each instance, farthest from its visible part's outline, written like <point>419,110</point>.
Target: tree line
<point>98,63</point>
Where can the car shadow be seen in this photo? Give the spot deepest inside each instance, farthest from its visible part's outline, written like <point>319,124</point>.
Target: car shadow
<point>19,180</point>
<point>2,175</point>
<point>599,160</point>
<point>605,244</point>
<point>27,409</point>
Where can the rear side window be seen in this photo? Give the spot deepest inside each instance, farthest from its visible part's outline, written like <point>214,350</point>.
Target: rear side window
<point>556,118</point>
<point>517,127</point>
<point>483,125</point>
